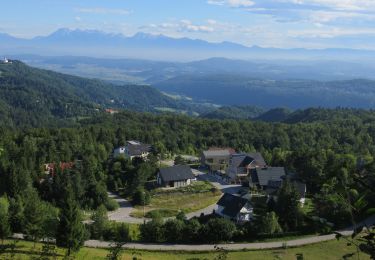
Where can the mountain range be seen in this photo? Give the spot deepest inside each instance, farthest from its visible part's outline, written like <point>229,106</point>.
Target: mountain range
<point>159,47</point>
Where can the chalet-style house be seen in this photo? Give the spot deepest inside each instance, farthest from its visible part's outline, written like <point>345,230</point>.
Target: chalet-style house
<point>133,149</point>
<point>241,165</point>
<point>175,176</point>
<point>216,159</point>
<point>266,177</point>
<point>270,179</point>
<point>234,208</point>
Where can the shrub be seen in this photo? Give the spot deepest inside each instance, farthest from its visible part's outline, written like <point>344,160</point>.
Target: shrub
<point>152,231</point>
<point>174,230</point>
<point>219,230</point>
<point>111,204</point>
<point>141,197</point>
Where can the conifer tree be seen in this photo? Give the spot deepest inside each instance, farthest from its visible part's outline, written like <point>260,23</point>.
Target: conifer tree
<point>70,232</point>
<point>4,219</point>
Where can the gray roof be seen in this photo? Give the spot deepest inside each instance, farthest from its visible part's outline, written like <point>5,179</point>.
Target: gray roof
<point>138,149</point>
<point>300,187</point>
<point>232,204</point>
<point>269,175</point>
<point>244,159</point>
<point>218,153</point>
<point>176,173</point>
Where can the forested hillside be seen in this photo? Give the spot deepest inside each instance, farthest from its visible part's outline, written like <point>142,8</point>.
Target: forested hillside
<point>329,155</point>
<point>35,97</point>
<point>237,89</point>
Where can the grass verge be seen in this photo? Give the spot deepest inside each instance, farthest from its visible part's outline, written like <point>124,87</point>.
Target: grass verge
<point>188,199</point>
<point>330,250</point>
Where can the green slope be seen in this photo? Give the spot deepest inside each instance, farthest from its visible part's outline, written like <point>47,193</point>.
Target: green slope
<point>30,96</point>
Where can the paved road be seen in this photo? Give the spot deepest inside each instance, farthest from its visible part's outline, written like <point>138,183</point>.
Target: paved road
<point>231,247</point>
<point>122,214</point>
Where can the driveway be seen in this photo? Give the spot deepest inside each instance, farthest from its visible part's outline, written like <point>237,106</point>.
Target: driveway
<point>217,182</point>
<point>122,214</point>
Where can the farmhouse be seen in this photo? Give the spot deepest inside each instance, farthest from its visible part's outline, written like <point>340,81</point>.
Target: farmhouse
<point>240,166</point>
<point>234,208</point>
<point>216,159</point>
<point>133,149</point>
<point>175,176</point>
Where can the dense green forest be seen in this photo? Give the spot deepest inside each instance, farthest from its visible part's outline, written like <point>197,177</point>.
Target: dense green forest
<point>331,150</point>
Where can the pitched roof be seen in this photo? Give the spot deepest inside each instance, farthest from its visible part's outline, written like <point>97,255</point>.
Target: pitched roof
<point>176,173</point>
<point>244,159</point>
<point>232,204</point>
<point>300,187</point>
<point>214,153</point>
<point>269,175</point>
<point>136,149</point>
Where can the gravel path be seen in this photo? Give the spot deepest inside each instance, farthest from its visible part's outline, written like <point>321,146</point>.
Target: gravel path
<point>122,214</point>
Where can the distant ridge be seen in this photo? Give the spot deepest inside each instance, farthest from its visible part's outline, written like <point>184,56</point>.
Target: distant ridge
<point>160,47</point>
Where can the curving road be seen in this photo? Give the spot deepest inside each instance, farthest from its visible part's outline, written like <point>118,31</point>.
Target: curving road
<point>232,247</point>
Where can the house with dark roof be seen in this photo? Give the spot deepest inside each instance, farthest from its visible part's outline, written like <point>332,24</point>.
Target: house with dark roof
<point>175,176</point>
<point>133,149</point>
<point>241,165</point>
<point>270,179</point>
<point>235,208</point>
<point>267,177</point>
<point>216,159</point>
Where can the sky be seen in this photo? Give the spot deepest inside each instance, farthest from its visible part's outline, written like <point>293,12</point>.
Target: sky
<point>266,23</point>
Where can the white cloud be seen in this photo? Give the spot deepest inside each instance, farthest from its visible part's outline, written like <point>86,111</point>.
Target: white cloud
<point>232,3</point>
<point>354,5</point>
<point>331,32</point>
<point>180,26</point>
<point>331,16</point>
<point>100,10</point>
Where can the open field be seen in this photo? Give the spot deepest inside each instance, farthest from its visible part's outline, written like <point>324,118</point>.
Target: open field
<point>331,250</point>
<point>187,199</point>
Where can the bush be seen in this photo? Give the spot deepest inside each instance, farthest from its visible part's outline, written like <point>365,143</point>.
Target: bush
<point>191,231</point>
<point>118,232</point>
<point>111,204</point>
<point>174,230</point>
<point>218,230</point>
<point>152,231</point>
<point>141,197</point>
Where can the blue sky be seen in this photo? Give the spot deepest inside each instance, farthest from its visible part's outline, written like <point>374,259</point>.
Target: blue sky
<point>267,23</point>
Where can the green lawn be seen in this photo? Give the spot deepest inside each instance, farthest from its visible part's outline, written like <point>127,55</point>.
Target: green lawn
<point>197,196</point>
<point>331,250</point>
